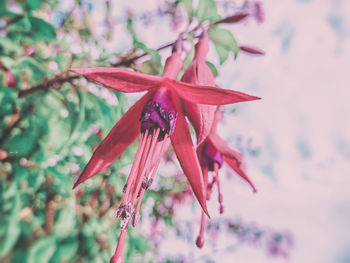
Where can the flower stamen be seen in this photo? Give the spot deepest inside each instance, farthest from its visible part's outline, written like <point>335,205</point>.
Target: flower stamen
<point>160,150</point>
<point>147,180</point>
<point>139,153</point>
<point>206,183</point>
<point>145,163</point>
<point>217,179</point>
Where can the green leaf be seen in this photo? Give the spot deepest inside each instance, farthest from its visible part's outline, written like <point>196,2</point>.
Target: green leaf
<point>9,48</point>
<point>224,43</point>
<point>168,220</point>
<point>4,12</point>
<point>66,251</point>
<point>7,101</point>
<point>149,67</point>
<point>65,223</point>
<point>213,68</point>
<point>42,250</point>
<point>188,5</point>
<point>21,24</point>
<point>3,6</point>
<point>62,60</point>
<point>8,241</point>
<point>77,118</point>
<point>33,4</point>
<point>59,127</point>
<point>136,243</point>
<point>222,52</point>
<point>7,61</point>
<point>29,66</point>
<point>9,192</point>
<point>42,30</point>
<point>21,144</point>
<point>207,10</point>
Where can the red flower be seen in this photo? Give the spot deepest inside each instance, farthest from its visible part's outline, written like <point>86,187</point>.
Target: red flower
<point>212,153</point>
<point>160,118</point>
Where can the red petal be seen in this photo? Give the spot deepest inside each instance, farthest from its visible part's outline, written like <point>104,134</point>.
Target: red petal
<point>185,152</point>
<point>172,66</point>
<point>208,95</point>
<point>201,116</point>
<point>117,141</point>
<point>217,120</point>
<point>240,171</point>
<point>202,49</point>
<point>120,79</point>
<point>223,148</point>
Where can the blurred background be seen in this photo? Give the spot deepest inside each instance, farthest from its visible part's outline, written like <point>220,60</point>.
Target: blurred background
<point>296,140</point>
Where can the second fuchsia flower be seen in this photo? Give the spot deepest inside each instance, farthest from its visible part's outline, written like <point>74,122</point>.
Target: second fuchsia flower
<point>212,150</point>
<point>198,72</point>
<point>159,116</point>
<point>212,153</point>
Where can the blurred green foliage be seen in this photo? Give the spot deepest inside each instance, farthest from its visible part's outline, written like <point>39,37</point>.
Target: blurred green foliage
<point>50,122</point>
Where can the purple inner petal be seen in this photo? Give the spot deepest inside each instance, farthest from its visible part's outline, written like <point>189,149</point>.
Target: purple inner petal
<point>210,156</point>
<point>159,112</point>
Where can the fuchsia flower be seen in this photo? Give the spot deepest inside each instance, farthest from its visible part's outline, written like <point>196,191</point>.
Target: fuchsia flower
<point>212,153</point>
<point>198,72</point>
<point>160,118</point>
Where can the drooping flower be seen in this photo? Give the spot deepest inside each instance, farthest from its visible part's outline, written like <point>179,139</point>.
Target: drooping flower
<point>198,72</point>
<point>212,153</point>
<point>160,118</point>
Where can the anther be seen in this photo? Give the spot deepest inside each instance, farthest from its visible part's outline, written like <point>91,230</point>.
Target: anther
<point>146,182</point>
<point>124,188</point>
<point>124,223</point>
<point>135,218</point>
<point>124,211</point>
<point>222,209</point>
